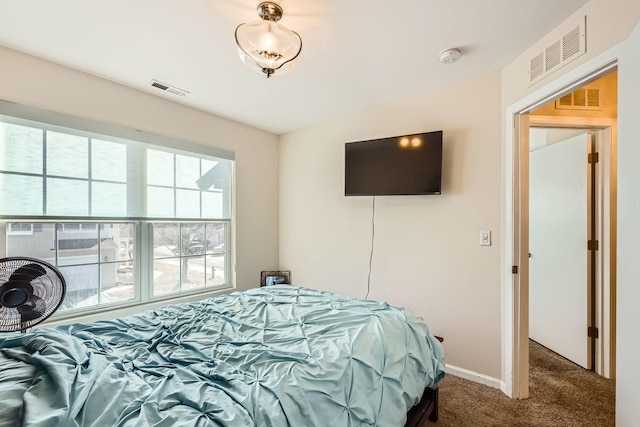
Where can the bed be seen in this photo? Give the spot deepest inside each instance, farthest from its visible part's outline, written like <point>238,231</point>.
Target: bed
<point>273,356</point>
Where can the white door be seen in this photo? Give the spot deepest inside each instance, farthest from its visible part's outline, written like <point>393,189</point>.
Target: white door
<point>558,233</point>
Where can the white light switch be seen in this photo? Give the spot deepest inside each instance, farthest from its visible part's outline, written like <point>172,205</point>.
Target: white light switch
<point>485,238</point>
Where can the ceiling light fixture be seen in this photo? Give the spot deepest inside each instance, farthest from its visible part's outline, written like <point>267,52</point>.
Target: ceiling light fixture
<point>267,46</point>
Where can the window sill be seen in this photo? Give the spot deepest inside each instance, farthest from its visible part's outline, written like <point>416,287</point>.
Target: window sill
<point>109,313</point>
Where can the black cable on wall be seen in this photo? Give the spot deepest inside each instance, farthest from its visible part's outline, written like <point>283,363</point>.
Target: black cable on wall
<point>373,234</point>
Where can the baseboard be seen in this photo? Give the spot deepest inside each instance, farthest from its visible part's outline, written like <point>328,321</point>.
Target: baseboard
<point>473,376</point>
<point>505,390</point>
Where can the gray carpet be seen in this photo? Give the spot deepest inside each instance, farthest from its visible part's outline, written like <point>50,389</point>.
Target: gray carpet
<point>562,394</point>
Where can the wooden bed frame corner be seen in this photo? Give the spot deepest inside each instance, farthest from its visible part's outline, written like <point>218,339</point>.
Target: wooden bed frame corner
<point>428,405</point>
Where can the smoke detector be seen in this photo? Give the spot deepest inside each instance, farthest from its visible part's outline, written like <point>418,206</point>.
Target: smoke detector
<point>449,56</point>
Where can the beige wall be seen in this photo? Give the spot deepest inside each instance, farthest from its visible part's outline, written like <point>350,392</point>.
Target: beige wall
<point>38,83</point>
<point>438,270</point>
<point>609,22</point>
<point>427,255</point>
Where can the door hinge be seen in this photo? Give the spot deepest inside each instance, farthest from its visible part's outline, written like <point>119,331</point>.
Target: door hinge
<point>593,157</point>
<point>592,245</point>
<point>592,332</point>
<point>514,269</point>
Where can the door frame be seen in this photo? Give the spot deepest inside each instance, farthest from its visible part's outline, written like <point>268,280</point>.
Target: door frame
<point>515,283</point>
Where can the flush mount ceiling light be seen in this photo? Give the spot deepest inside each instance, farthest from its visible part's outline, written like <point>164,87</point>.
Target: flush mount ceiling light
<point>267,46</point>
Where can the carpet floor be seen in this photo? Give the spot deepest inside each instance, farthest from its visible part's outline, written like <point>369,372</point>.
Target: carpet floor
<point>561,394</point>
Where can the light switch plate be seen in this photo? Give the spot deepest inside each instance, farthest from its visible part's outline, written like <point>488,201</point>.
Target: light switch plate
<point>485,237</point>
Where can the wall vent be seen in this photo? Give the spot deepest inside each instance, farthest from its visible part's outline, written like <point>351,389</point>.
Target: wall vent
<point>581,99</point>
<point>537,66</point>
<point>552,56</point>
<point>571,43</point>
<point>168,88</point>
<point>560,52</point>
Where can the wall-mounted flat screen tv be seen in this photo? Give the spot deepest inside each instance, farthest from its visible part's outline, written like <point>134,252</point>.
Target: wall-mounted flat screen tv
<point>401,165</point>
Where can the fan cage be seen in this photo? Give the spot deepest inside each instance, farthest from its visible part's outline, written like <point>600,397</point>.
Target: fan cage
<point>50,287</point>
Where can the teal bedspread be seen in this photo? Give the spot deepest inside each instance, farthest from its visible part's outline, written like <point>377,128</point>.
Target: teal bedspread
<point>273,356</point>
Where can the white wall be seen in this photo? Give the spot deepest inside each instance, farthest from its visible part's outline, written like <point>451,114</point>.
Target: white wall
<point>427,254</point>
<point>38,83</point>
<point>627,396</point>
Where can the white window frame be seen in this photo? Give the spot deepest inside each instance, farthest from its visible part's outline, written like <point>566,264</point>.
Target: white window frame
<point>143,278</point>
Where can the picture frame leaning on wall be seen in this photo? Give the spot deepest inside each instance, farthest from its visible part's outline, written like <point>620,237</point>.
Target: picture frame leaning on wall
<point>275,277</point>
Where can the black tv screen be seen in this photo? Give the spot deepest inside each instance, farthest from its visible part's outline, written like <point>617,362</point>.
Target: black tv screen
<point>401,165</point>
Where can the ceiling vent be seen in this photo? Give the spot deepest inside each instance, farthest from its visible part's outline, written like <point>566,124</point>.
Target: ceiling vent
<point>560,52</point>
<point>168,88</point>
<point>581,99</point>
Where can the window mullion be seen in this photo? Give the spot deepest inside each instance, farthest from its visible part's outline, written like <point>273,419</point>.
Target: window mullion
<point>90,176</point>
<point>56,229</point>
<point>100,284</point>
<point>144,252</point>
<point>181,252</point>
<point>175,187</point>
<point>44,174</point>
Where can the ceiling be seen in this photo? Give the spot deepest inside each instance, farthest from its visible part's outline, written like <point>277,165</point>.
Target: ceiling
<point>356,54</point>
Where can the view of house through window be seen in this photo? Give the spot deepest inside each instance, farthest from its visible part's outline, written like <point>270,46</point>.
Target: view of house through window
<point>188,256</point>
<point>124,221</point>
<point>97,260</point>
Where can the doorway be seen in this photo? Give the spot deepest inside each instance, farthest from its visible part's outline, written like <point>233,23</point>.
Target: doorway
<point>516,284</point>
<point>580,276</point>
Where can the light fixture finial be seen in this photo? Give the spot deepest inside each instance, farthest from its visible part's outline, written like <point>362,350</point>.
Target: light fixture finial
<point>269,11</point>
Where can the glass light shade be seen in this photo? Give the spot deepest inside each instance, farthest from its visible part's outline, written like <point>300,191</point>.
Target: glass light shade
<point>268,47</point>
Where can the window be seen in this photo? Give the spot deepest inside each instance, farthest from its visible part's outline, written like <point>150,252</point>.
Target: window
<point>96,271</point>
<point>126,221</point>
<point>19,228</point>
<point>77,226</point>
<point>188,256</point>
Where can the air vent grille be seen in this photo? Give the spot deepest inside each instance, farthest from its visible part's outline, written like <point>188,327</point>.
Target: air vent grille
<point>537,66</point>
<point>581,99</point>
<point>159,86</point>
<point>593,97</point>
<point>565,101</point>
<point>168,88</point>
<point>571,44</point>
<point>560,52</point>
<point>552,56</point>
